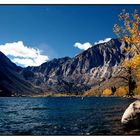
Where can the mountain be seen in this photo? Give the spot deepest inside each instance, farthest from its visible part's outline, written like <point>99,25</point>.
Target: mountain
<point>80,73</point>
<point>64,75</point>
<point>11,81</point>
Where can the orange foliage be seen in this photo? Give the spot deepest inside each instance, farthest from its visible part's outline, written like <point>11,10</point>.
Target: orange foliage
<point>121,91</point>
<point>137,90</point>
<point>133,62</point>
<point>137,73</point>
<point>107,92</point>
<point>129,32</point>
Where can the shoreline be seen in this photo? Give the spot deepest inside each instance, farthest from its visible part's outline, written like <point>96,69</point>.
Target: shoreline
<point>49,96</point>
<point>137,97</point>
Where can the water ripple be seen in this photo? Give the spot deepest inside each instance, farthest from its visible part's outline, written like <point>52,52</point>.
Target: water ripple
<point>62,116</point>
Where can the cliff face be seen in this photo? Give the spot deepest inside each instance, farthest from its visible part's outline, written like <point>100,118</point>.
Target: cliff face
<point>70,75</point>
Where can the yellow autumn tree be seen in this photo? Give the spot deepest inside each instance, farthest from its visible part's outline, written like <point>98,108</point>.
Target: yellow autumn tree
<point>129,33</point>
<point>121,91</point>
<point>107,92</point>
<point>137,89</point>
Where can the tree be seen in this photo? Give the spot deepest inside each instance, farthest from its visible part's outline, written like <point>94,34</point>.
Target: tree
<point>121,91</point>
<point>107,92</point>
<point>113,89</point>
<point>129,33</point>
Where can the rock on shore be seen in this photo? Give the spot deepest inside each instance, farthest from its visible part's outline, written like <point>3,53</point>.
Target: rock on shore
<point>131,116</point>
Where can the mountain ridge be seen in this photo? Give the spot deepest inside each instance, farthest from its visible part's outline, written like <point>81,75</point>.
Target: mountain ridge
<point>80,72</point>
<point>73,75</point>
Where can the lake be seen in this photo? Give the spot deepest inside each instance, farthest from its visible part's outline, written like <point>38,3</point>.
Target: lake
<point>62,115</point>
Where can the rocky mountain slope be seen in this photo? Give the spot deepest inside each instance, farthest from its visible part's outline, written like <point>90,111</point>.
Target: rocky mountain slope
<point>11,81</point>
<point>80,73</point>
<point>64,75</point>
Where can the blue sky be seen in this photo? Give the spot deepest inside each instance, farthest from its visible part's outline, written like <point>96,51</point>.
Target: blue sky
<point>55,29</point>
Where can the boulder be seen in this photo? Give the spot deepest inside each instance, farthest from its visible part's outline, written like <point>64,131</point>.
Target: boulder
<point>131,116</point>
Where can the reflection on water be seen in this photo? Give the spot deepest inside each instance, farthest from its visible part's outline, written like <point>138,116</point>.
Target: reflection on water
<point>62,116</point>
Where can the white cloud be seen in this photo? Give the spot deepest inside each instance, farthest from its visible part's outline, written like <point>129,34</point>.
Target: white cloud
<point>83,46</point>
<point>24,61</point>
<point>102,41</point>
<point>26,56</point>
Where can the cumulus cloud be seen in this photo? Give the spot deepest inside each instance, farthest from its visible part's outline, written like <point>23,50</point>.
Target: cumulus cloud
<point>83,46</point>
<point>23,61</point>
<point>23,55</point>
<point>102,41</point>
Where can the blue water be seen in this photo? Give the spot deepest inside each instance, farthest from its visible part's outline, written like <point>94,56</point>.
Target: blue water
<point>62,115</point>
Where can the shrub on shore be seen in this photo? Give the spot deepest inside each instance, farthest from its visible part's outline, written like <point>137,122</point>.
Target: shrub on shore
<point>107,92</point>
<point>121,91</point>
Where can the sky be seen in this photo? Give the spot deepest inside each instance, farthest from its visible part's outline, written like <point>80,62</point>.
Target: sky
<point>33,34</point>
